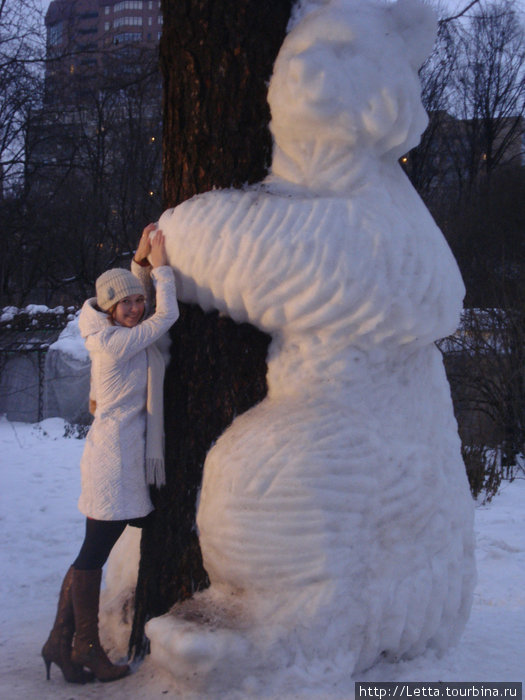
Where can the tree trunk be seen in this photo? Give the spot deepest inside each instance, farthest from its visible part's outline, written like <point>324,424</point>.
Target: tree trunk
<point>216,58</point>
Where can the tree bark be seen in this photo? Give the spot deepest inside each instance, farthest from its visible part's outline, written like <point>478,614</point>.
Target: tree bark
<point>216,58</point>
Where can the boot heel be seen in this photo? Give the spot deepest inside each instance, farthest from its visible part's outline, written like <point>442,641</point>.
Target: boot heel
<point>87,650</point>
<point>57,649</point>
<point>48,667</point>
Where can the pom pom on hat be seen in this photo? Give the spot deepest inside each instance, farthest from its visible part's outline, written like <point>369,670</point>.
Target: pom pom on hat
<point>114,285</point>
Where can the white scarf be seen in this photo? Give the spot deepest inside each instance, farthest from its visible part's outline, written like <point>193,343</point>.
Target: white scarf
<point>155,470</point>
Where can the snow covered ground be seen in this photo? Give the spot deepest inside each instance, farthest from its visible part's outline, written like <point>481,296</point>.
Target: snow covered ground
<point>41,531</point>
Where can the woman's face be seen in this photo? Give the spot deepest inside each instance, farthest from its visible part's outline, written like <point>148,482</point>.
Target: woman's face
<point>129,311</point>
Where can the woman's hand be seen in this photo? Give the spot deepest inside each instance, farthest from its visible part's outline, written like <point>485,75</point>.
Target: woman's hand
<point>158,255</point>
<point>144,246</point>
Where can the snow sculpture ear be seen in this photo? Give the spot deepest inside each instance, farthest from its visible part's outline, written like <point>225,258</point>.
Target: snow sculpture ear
<point>417,25</point>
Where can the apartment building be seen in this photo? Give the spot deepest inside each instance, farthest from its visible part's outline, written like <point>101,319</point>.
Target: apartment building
<point>102,90</point>
<point>89,38</point>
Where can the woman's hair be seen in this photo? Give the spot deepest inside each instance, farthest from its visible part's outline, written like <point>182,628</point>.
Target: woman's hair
<point>111,313</point>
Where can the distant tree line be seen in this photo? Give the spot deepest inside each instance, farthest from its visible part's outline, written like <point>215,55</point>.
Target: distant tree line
<point>79,177</point>
<point>470,165</point>
<point>470,170</point>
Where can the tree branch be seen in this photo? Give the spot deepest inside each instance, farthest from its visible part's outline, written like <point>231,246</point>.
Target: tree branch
<point>459,14</point>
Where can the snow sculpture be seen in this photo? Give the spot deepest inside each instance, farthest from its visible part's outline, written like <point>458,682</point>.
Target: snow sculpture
<point>335,518</point>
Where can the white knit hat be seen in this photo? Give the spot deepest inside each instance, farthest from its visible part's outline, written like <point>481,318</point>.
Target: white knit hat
<point>114,285</point>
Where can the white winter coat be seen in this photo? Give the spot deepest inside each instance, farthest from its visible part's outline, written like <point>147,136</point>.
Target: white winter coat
<point>113,463</point>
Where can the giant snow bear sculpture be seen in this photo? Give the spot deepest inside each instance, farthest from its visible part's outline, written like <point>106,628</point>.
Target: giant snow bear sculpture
<point>335,517</point>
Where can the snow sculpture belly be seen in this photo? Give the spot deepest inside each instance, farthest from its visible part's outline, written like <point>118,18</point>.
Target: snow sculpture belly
<point>335,518</point>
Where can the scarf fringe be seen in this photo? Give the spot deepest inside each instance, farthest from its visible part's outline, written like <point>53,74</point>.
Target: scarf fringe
<point>155,471</point>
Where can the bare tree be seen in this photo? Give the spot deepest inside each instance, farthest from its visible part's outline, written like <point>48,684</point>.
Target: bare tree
<point>485,364</point>
<point>471,156</point>
<point>21,51</point>
<point>489,89</point>
<point>474,92</point>
<point>426,165</point>
<point>91,178</point>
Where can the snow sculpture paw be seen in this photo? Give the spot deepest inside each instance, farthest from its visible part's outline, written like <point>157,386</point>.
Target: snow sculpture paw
<point>335,519</point>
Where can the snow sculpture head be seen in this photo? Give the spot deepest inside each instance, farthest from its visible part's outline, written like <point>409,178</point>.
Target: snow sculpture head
<point>345,85</point>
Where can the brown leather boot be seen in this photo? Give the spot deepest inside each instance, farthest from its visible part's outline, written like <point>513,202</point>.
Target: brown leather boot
<point>57,649</point>
<point>87,649</point>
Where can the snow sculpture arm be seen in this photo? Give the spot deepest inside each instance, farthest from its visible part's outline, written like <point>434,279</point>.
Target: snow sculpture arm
<point>336,238</point>
<point>356,269</point>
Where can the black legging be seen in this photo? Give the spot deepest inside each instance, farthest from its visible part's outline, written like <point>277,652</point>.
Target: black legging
<point>99,540</point>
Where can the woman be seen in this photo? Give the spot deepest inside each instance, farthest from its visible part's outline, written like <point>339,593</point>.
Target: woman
<point>124,450</point>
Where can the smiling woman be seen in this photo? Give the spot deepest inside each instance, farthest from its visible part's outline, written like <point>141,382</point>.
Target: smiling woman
<point>124,452</point>
<point>129,311</point>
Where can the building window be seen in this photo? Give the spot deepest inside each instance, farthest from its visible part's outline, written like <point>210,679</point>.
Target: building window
<point>107,26</point>
<point>128,5</point>
<point>127,37</point>
<point>129,21</point>
<point>159,34</point>
<point>159,19</point>
<point>150,21</point>
<point>54,36</point>
<point>107,10</point>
